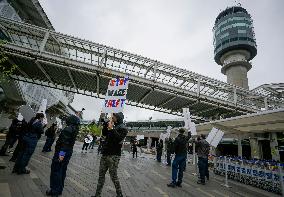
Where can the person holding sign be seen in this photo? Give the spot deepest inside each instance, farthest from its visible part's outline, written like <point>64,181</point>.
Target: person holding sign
<point>114,131</point>
<point>202,149</point>
<point>180,149</point>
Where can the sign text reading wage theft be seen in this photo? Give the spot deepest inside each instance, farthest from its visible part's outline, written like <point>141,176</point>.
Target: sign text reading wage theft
<point>116,95</point>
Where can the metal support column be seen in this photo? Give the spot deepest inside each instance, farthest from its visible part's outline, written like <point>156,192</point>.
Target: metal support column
<point>43,43</point>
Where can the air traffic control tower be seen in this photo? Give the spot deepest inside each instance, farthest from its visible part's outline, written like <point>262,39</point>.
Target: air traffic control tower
<point>234,44</point>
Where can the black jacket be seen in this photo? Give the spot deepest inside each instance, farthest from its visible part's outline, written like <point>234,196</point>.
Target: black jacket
<point>170,146</point>
<point>50,132</point>
<point>35,126</point>
<point>181,144</point>
<point>114,138</point>
<point>202,148</point>
<point>17,128</point>
<point>67,137</point>
<point>160,147</point>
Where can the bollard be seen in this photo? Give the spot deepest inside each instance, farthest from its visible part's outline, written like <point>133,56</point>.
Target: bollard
<point>195,165</point>
<point>281,179</point>
<point>226,174</point>
<point>193,153</point>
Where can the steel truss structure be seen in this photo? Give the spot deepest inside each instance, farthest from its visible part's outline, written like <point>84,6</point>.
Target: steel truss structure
<point>56,60</point>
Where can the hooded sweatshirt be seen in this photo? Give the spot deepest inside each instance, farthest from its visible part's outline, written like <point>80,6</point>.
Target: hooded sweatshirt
<point>114,138</point>
<point>67,137</point>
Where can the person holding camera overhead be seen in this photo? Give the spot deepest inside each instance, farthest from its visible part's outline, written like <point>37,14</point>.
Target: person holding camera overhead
<point>114,131</point>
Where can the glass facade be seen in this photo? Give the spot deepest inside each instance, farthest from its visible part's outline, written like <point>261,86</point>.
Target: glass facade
<point>233,30</point>
<point>34,94</point>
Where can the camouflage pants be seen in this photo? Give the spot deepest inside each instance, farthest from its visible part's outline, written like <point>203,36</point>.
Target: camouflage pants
<point>108,163</point>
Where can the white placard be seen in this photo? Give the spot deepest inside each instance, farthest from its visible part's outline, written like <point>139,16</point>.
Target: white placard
<point>27,112</point>
<point>214,137</point>
<point>140,137</point>
<point>163,136</point>
<point>115,99</point>
<point>42,107</point>
<point>217,138</point>
<point>211,135</point>
<point>187,119</point>
<point>192,128</point>
<point>169,129</point>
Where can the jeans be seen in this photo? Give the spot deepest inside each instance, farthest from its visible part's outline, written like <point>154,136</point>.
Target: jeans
<point>203,168</point>
<point>159,156</point>
<point>20,146</point>
<point>169,161</point>
<point>58,172</point>
<point>178,168</point>
<point>134,152</point>
<point>48,144</point>
<point>10,141</point>
<point>30,142</point>
<point>85,146</point>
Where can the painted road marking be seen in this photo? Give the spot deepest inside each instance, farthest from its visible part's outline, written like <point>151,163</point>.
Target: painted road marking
<point>78,184</point>
<point>204,192</point>
<point>5,190</point>
<point>220,194</point>
<point>161,192</point>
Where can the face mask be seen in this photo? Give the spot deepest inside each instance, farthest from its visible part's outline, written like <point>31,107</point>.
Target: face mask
<point>20,117</point>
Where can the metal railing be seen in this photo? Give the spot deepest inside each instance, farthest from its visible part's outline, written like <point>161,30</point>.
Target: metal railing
<point>165,77</point>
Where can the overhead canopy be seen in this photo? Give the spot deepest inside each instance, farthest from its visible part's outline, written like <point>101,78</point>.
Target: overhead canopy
<point>262,122</point>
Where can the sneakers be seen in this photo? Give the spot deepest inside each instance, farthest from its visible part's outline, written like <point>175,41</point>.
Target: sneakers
<point>201,182</point>
<point>171,185</point>
<point>25,171</point>
<point>2,167</point>
<point>178,184</point>
<point>50,193</point>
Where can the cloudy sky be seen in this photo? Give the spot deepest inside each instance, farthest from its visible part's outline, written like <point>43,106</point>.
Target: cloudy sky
<point>176,32</point>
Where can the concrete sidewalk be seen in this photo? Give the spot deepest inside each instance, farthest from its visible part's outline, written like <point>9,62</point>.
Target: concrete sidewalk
<point>141,177</point>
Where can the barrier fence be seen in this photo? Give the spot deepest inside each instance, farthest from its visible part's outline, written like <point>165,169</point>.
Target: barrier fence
<point>266,175</point>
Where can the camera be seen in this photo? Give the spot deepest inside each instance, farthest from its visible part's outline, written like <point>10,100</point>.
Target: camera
<point>104,121</point>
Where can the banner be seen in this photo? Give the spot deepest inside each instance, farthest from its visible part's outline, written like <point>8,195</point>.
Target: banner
<point>116,95</point>
<point>214,137</point>
<point>187,119</point>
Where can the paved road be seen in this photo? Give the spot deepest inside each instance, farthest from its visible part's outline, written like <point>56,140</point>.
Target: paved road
<point>141,177</point>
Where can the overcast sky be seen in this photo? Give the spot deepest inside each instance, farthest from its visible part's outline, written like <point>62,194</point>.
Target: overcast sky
<point>176,32</point>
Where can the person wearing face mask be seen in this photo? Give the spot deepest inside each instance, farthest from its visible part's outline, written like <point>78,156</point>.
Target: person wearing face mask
<point>62,155</point>
<point>114,131</point>
<point>30,139</point>
<point>16,129</point>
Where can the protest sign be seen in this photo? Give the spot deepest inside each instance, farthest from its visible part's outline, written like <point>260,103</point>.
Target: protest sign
<point>140,137</point>
<point>214,137</point>
<point>116,95</point>
<point>192,128</point>
<point>187,119</point>
<point>27,112</point>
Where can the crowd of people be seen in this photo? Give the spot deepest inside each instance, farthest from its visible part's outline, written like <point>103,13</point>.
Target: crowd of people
<point>114,132</point>
<point>180,148</point>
